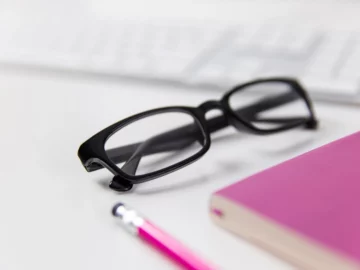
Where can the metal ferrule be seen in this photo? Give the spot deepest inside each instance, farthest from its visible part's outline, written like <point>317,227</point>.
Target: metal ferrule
<point>129,218</point>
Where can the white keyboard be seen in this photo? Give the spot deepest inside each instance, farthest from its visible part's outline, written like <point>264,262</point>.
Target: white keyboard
<point>192,53</point>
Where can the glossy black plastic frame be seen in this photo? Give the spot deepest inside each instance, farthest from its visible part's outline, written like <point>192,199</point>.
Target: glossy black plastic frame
<point>93,155</point>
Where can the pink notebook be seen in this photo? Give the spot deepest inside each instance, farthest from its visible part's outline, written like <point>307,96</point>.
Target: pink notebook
<point>305,210</point>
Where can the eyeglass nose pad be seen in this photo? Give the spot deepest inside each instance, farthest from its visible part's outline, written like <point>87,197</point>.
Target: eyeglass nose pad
<point>119,184</point>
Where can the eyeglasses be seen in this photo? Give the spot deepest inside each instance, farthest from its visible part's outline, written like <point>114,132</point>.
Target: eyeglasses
<point>154,143</point>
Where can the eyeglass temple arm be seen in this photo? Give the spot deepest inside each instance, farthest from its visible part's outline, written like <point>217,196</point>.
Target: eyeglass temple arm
<point>269,103</point>
<point>168,141</point>
<point>184,136</point>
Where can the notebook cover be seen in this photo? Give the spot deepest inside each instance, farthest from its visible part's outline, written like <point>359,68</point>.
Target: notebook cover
<point>315,196</point>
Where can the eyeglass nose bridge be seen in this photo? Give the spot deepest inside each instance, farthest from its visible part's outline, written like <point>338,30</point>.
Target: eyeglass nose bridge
<point>210,105</point>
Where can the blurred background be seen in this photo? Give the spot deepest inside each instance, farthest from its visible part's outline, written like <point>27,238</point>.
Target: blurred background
<point>209,43</point>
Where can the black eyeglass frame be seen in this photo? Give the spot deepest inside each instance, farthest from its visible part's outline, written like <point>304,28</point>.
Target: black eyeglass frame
<point>93,155</point>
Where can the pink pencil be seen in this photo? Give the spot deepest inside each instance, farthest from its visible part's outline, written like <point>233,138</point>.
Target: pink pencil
<point>157,238</point>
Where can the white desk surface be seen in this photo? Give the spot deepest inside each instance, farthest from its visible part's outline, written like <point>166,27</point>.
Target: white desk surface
<point>55,215</point>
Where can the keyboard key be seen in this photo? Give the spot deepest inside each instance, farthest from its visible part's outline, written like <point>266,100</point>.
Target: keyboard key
<point>210,74</point>
<point>281,67</point>
<point>243,69</point>
<point>298,41</point>
<point>328,54</point>
<point>171,67</point>
<point>275,41</point>
<point>351,66</point>
<point>243,36</point>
